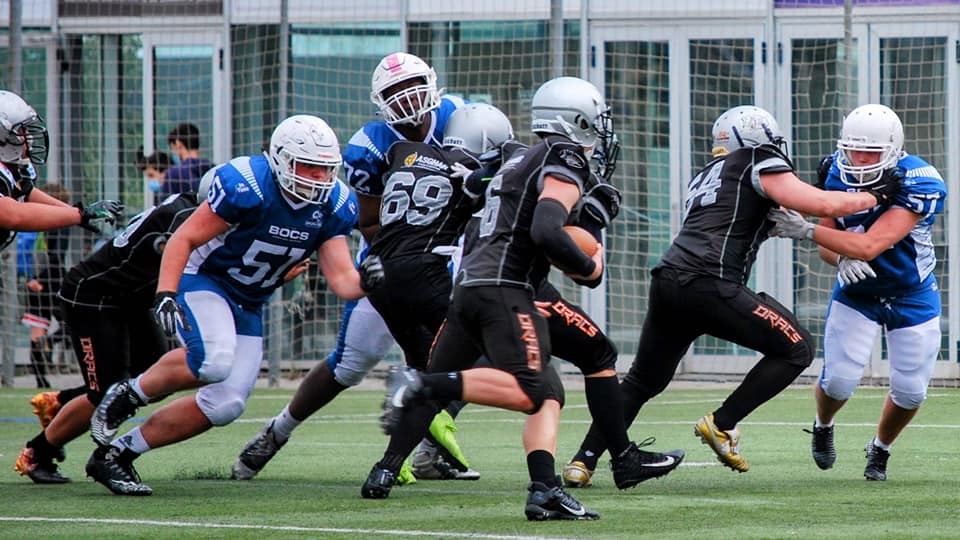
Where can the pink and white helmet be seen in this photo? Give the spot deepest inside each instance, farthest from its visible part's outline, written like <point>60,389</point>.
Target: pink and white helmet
<point>407,104</point>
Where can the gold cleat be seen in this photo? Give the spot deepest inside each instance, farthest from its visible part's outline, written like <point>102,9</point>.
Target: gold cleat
<point>46,405</point>
<point>577,475</point>
<point>726,444</point>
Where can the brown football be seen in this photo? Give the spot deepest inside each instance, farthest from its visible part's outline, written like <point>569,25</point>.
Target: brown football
<point>584,240</point>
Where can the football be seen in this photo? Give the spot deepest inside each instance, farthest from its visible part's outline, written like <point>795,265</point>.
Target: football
<point>584,240</point>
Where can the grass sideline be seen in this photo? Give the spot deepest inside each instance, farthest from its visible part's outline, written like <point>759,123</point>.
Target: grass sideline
<point>311,489</point>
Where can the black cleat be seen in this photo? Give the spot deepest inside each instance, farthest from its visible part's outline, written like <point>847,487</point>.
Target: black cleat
<point>876,463</point>
<point>378,484</point>
<point>402,385</point>
<point>41,471</point>
<point>109,466</point>
<point>255,456</point>
<point>634,465</point>
<point>824,454</point>
<point>119,404</point>
<point>546,503</point>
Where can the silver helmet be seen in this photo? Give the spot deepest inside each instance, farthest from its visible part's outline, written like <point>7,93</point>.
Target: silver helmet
<point>478,128</point>
<point>745,126</point>
<point>573,108</point>
<point>23,134</point>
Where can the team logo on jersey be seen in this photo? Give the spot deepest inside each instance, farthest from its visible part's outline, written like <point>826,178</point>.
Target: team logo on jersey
<point>288,233</point>
<point>242,188</point>
<point>572,159</point>
<point>425,162</point>
<point>316,220</point>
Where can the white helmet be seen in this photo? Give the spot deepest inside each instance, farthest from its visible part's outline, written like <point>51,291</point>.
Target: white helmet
<point>21,127</point>
<point>574,108</point>
<point>407,105</point>
<point>869,128</point>
<point>205,182</point>
<point>745,126</point>
<point>309,140</point>
<point>478,128</point>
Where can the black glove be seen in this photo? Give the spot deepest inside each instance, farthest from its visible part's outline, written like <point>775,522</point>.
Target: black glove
<point>823,170</point>
<point>168,313</point>
<point>888,185</point>
<point>601,204</point>
<point>106,210</point>
<point>371,273</point>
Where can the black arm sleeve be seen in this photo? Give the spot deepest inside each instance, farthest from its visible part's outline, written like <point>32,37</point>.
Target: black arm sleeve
<point>547,232</point>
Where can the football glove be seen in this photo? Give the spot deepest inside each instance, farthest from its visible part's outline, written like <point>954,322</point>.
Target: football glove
<point>850,271</point>
<point>601,204</point>
<point>168,313</point>
<point>790,224</point>
<point>371,273</point>
<point>106,211</point>
<point>888,185</point>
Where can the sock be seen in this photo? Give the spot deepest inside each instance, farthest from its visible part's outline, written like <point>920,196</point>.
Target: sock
<point>588,457</point>
<point>133,441</point>
<point>443,386</point>
<point>542,468</point>
<point>454,407</point>
<point>391,462</point>
<point>428,447</point>
<point>605,403</point>
<point>284,424</point>
<point>135,386</point>
<point>818,423</point>
<point>66,395</point>
<point>42,447</point>
<point>880,444</point>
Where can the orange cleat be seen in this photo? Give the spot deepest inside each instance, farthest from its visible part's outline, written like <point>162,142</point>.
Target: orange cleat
<point>46,405</point>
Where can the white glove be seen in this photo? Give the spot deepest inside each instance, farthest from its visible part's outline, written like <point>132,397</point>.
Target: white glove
<point>850,271</point>
<point>790,224</point>
<point>460,170</point>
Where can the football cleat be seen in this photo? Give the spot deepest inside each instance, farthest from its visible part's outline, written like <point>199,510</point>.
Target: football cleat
<point>118,405</point>
<point>549,503</point>
<point>427,466</point>
<point>37,469</point>
<point>576,475</point>
<point>378,483</point>
<point>726,444</point>
<point>46,405</point>
<point>402,385</point>
<point>442,428</point>
<point>633,465</point>
<point>109,466</point>
<point>255,456</point>
<point>824,454</point>
<point>876,463</point>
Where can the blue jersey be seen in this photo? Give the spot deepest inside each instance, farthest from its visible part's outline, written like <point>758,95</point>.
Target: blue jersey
<point>268,233</point>
<point>365,159</point>
<point>906,267</point>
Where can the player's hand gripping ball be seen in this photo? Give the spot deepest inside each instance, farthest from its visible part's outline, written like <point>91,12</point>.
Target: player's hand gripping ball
<point>584,240</point>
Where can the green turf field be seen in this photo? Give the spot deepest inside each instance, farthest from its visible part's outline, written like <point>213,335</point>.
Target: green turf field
<point>311,489</point>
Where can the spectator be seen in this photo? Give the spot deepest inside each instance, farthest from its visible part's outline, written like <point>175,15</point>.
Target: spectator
<point>188,167</point>
<point>153,167</point>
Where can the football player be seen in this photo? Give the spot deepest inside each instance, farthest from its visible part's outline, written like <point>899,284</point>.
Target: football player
<point>412,108</point>
<point>263,216</point>
<point>885,260</point>
<point>24,142</point>
<point>105,300</point>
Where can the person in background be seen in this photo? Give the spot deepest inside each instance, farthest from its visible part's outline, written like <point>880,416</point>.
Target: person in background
<point>153,167</point>
<point>188,167</point>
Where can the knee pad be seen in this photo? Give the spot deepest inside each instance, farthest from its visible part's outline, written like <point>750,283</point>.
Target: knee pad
<point>907,400</point>
<point>838,388</point>
<point>352,366</point>
<point>220,405</point>
<point>216,365</point>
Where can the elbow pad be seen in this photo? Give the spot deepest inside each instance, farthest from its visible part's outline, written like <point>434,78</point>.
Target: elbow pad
<point>547,232</point>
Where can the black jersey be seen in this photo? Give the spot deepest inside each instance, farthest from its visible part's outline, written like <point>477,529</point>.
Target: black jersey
<point>124,271</point>
<point>504,253</point>
<point>11,177</point>
<point>424,206</point>
<point>726,215</point>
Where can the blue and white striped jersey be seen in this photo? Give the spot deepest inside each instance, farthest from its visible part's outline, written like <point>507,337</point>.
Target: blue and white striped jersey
<point>908,265</point>
<point>268,234</point>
